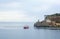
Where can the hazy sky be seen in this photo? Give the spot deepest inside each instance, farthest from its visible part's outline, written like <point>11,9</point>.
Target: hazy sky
<point>27,10</point>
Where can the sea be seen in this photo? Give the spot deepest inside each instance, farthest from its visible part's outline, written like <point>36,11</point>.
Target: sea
<point>15,30</point>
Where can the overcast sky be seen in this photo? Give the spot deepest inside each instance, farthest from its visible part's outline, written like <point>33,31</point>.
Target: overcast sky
<point>27,10</point>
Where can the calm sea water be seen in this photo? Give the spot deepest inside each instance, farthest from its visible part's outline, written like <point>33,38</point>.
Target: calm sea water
<point>15,30</point>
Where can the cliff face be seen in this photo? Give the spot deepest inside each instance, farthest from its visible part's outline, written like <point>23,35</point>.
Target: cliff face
<point>55,19</point>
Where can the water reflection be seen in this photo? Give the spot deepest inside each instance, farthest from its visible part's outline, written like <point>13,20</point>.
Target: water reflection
<point>46,33</point>
<point>48,28</point>
<point>31,33</point>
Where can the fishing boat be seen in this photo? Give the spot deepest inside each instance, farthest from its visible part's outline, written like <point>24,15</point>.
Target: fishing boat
<point>26,27</point>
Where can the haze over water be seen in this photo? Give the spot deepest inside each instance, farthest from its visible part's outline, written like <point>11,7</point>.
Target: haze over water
<point>31,33</point>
